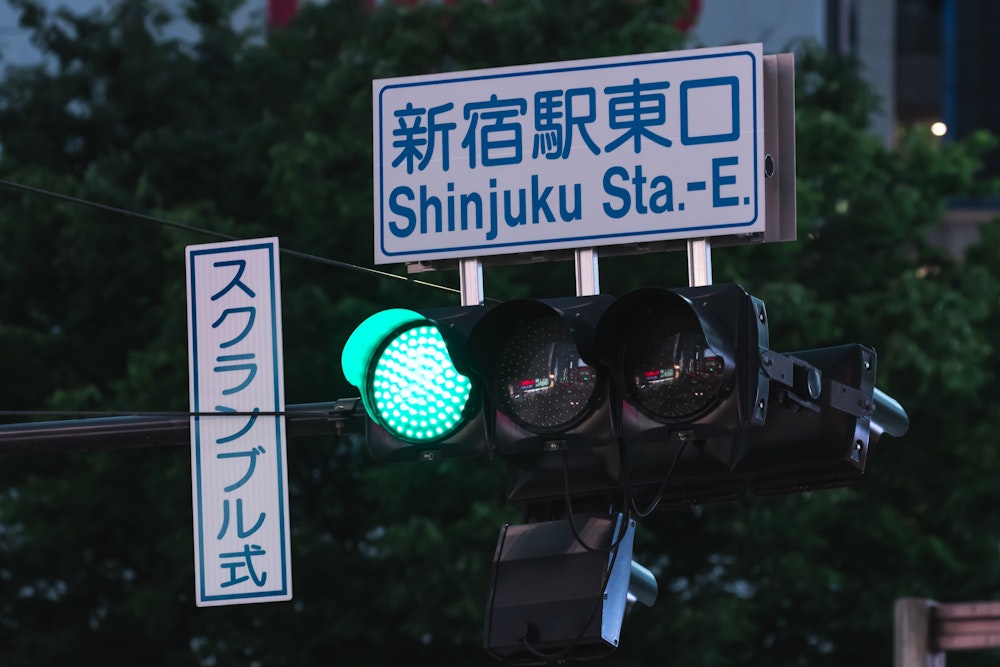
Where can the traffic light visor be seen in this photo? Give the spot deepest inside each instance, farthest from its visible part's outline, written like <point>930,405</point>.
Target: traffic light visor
<point>408,382</point>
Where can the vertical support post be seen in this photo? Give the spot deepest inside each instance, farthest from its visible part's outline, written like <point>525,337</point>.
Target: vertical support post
<point>912,634</point>
<point>699,262</point>
<point>588,281</point>
<point>470,281</point>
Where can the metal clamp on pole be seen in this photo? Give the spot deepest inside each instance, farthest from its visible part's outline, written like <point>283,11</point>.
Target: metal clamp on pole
<point>804,381</point>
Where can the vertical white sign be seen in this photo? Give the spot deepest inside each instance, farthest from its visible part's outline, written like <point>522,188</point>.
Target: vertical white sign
<point>238,458</point>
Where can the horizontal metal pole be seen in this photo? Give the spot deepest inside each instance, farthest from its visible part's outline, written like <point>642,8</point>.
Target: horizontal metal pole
<point>166,430</point>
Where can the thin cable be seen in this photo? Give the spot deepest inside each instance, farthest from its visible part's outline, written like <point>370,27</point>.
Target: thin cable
<point>612,549</point>
<point>559,655</point>
<point>642,514</point>
<point>219,235</point>
<point>569,512</point>
<point>605,580</point>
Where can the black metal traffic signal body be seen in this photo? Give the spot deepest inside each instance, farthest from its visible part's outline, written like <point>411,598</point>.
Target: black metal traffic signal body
<point>687,383</point>
<point>663,396</point>
<point>589,397</point>
<point>605,409</point>
<point>547,407</point>
<point>559,592</point>
<point>818,436</point>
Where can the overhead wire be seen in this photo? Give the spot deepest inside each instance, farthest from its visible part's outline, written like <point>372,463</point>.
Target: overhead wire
<point>145,217</point>
<point>164,222</point>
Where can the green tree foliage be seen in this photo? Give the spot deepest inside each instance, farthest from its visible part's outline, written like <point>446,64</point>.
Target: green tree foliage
<point>252,135</point>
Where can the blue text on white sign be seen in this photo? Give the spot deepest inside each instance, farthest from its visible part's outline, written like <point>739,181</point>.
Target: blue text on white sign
<point>238,443</point>
<point>572,154</point>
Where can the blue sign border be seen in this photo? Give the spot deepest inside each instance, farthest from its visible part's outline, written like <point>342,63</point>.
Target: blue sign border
<point>528,245</point>
<point>279,445</point>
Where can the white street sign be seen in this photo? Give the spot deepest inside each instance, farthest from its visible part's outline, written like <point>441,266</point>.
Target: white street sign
<point>238,460</point>
<point>572,154</point>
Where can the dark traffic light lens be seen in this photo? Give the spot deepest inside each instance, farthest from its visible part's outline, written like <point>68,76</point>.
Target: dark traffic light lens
<point>542,383</point>
<point>670,371</point>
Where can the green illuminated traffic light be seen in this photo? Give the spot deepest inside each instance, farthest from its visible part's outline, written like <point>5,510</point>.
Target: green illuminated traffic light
<point>411,368</point>
<point>408,381</point>
<point>417,392</point>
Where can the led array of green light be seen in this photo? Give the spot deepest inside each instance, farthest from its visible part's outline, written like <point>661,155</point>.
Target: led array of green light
<point>416,391</point>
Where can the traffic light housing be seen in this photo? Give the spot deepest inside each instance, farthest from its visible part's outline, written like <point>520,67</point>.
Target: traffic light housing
<point>421,399</point>
<point>547,397</point>
<point>662,396</point>
<point>605,410</point>
<point>559,591</point>
<point>592,396</point>
<point>819,426</point>
<point>687,387</point>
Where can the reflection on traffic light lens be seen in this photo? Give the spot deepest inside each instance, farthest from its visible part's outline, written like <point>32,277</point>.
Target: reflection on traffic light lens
<point>416,391</point>
<point>543,384</point>
<point>670,371</point>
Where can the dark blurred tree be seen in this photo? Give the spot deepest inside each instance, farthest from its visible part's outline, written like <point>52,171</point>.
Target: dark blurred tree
<point>247,136</point>
<point>251,135</point>
<point>811,580</point>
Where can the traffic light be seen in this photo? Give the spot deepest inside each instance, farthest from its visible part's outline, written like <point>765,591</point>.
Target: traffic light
<point>819,425</point>
<point>421,398</point>
<point>661,397</point>
<point>559,590</point>
<point>547,395</point>
<point>606,409</point>
<point>688,385</point>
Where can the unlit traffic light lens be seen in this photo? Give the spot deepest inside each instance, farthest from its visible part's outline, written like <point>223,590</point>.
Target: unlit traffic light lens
<point>670,371</point>
<point>542,383</point>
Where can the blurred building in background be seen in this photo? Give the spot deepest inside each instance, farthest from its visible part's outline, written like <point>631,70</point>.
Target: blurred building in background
<point>929,60</point>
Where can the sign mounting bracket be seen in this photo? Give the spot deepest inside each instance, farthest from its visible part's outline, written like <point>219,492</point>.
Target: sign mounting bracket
<point>470,279</point>
<point>588,281</point>
<point>699,255</point>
